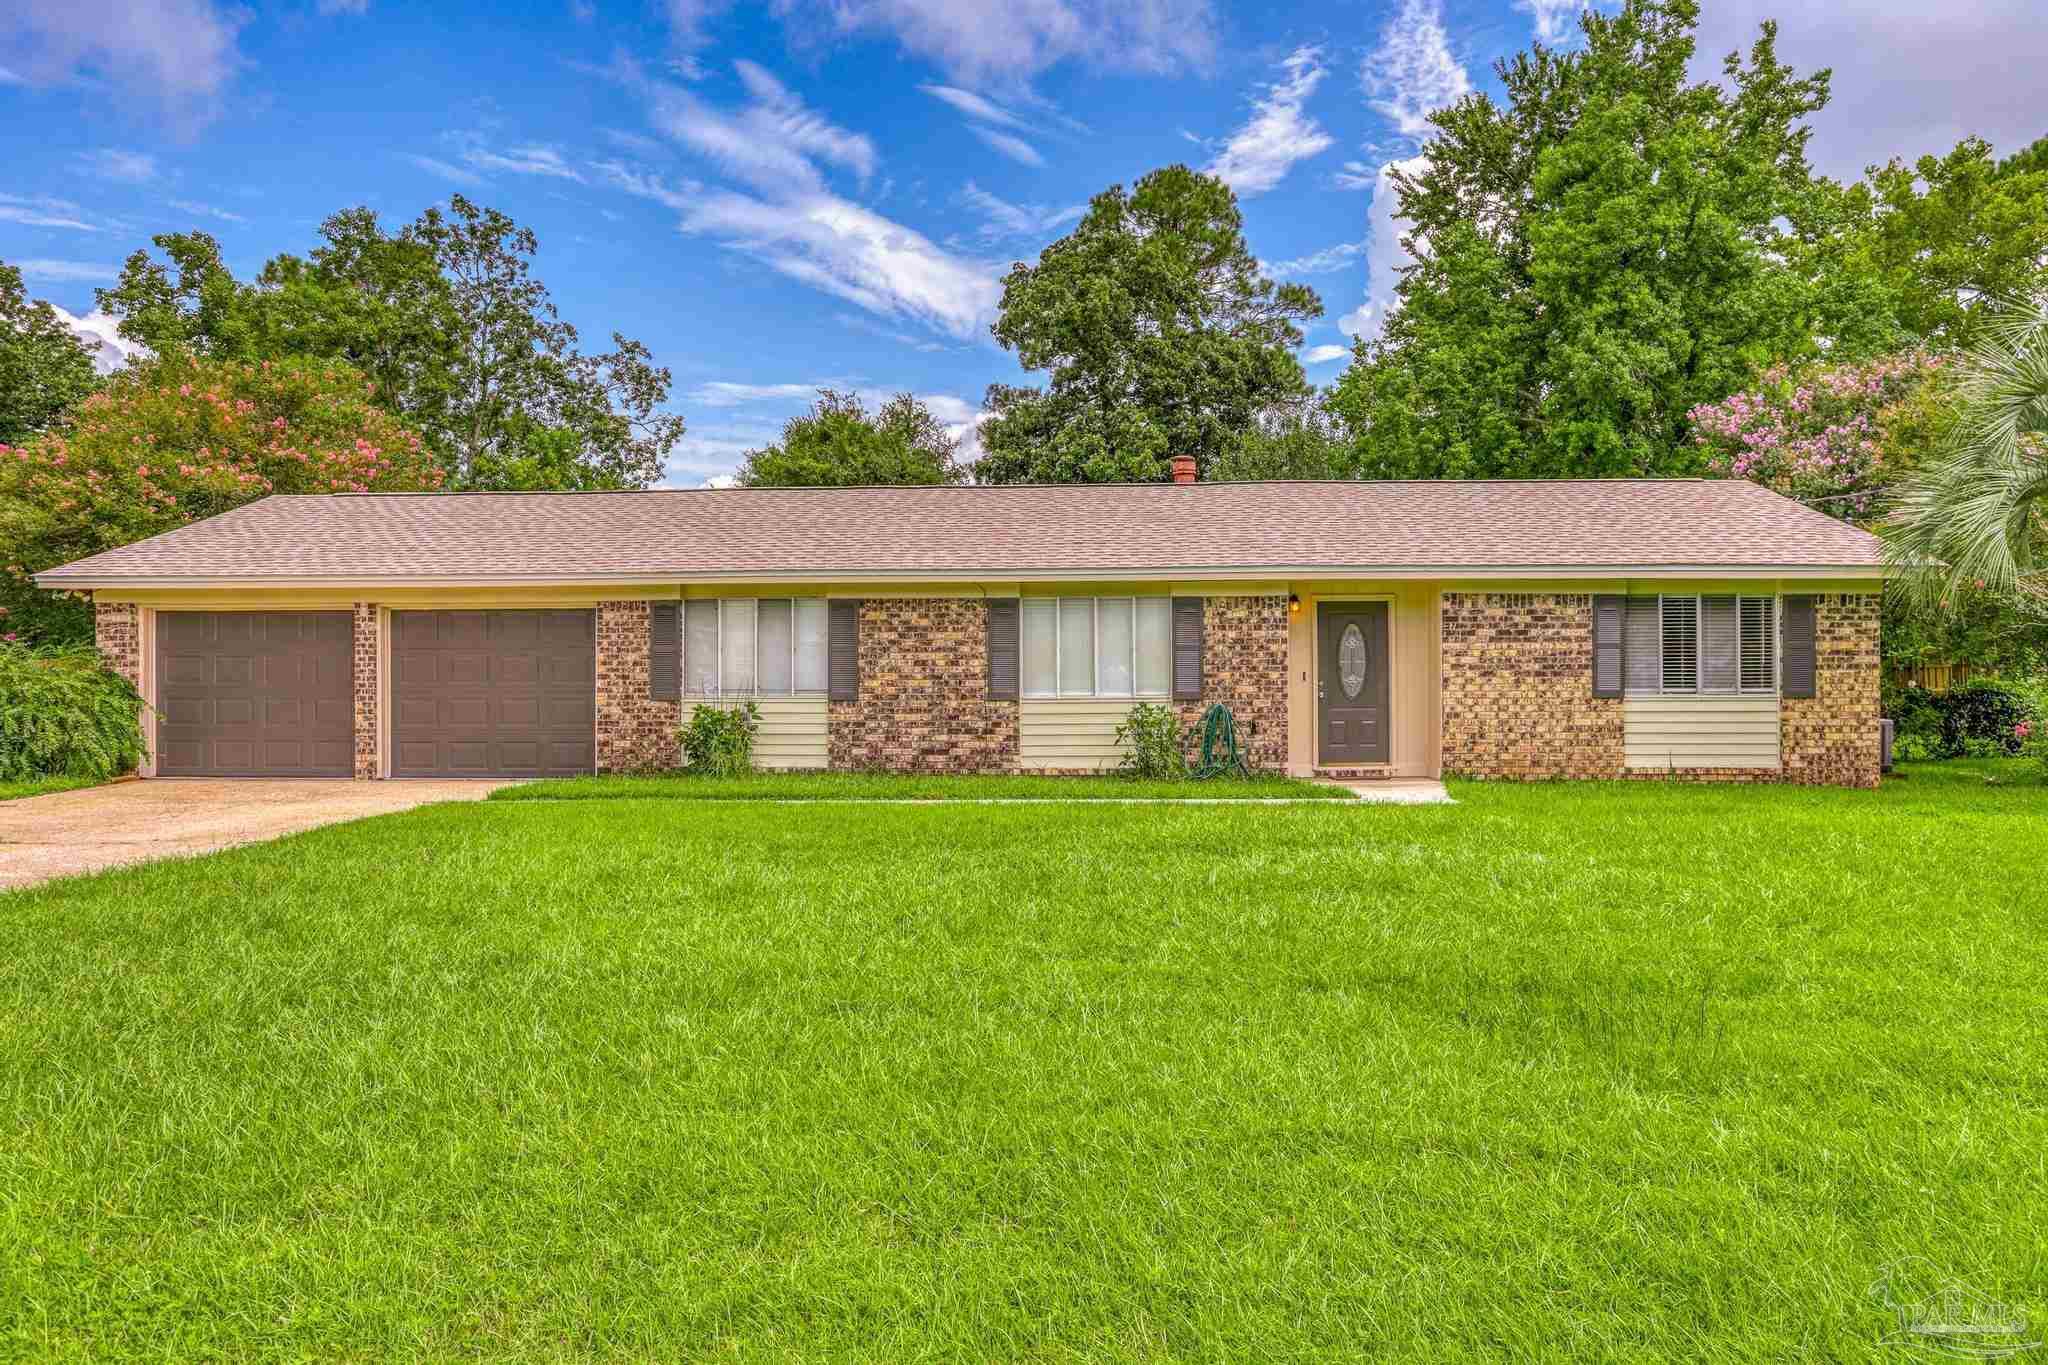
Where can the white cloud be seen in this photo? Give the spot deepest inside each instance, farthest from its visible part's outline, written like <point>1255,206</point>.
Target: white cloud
<point>206,211</point>
<point>1001,218</point>
<point>720,393</point>
<point>1384,254</point>
<point>722,481</point>
<point>1323,355</point>
<point>1412,72</point>
<point>963,421</point>
<point>435,166</point>
<point>530,160</point>
<point>343,6</point>
<point>844,249</point>
<point>114,350</point>
<point>977,106</point>
<point>44,212</point>
<point>1317,262</point>
<point>637,143</point>
<point>783,115</point>
<point>1355,175</point>
<point>1258,156</point>
<point>176,54</point>
<point>647,185</point>
<point>1554,20</point>
<point>771,144</point>
<point>130,168</point>
<point>1015,148</point>
<point>68,272</point>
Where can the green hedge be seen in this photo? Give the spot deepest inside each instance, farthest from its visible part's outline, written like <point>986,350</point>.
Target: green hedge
<point>62,714</point>
<point>1976,721</point>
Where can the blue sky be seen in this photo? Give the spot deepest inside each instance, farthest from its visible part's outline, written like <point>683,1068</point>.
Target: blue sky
<point>779,197</point>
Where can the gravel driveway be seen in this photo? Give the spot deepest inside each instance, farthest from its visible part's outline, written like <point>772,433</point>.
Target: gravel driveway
<point>131,822</point>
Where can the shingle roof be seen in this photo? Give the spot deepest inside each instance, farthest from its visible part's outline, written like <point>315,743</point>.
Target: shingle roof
<point>855,533</point>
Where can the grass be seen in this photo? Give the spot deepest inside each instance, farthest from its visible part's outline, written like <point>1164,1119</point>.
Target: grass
<point>886,786</point>
<point>43,786</point>
<point>1559,1071</point>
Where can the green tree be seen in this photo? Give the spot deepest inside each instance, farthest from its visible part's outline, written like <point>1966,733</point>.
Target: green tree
<point>1161,337</point>
<point>1947,234</point>
<point>1297,441</point>
<point>177,439</point>
<point>1608,248</point>
<point>44,369</point>
<point>447,319</point>
<point>837,443</point>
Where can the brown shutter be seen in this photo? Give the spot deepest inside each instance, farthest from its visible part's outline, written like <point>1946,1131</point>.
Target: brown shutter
<point>1187,649</point>
<point>664,651</point>
<point>843,650</point>
<point>1002,648</point>
<point>1798,659</point>
<point>1609,651</point>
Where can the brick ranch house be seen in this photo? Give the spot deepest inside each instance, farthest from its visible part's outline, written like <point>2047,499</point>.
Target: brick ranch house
<point>1704,629</point>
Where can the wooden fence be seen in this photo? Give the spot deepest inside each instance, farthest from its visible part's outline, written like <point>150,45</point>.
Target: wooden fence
<point>1933,677</point>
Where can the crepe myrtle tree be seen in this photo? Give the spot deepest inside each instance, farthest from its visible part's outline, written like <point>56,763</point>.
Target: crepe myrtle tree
<point>178,439</point>
<point>1159,335</point>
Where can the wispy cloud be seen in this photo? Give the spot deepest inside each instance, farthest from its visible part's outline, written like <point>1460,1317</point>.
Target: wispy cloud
<point>177,55</point>
<point>781,114</point>
<point>1001,218</point>
<point>977,106</point>
<point>68,272</point>
<point>529,160</point>
<point>1318,262</point>
<point>773,143</point>
<point>447,171</point>
<point>331,7</point>
<point>206,211</point>
<point>1355,175</point>
<point>647,185</point>
<point>1323,355</point>
<point>1258,156</point>
<point>721,393</point>
<point>108,163</point>
<point>1554,20</point>
<point>1010,145</point>
<point>43,212</point>
<point>637,143</point>
<point>1384,254</point>
<point>1412,72</point>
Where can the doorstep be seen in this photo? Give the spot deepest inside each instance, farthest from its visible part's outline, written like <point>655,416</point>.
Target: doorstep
<point>1393,791</point>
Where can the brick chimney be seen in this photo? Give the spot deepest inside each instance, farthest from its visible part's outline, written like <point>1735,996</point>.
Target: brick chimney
<point>1183,469</point>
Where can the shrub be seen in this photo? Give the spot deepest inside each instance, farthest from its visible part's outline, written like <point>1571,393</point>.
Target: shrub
<point>63,714</point>
<point>1977,721</point>
<point>718,741</point>
<point>1154,744</point>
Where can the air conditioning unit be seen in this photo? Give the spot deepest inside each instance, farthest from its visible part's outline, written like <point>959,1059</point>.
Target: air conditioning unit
<point>1887,729</point>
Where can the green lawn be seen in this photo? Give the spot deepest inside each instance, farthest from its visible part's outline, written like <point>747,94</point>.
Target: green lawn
<point>43,786</point>
<point>1568,1071</point>
<point>878,786</point>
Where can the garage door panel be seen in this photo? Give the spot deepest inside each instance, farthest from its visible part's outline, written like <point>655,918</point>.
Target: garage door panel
<point>254,693</point>
<point>497,693</point>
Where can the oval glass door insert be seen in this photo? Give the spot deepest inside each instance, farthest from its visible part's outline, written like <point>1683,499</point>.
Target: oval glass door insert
<point>1351,661</point>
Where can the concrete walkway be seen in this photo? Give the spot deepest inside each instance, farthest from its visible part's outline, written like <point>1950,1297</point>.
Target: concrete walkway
<point>131,822</point>
<point>1399,791</point>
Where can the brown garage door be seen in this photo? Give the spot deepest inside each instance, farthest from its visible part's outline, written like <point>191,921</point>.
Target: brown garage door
<point>494,693</point>
<point>254,694</point>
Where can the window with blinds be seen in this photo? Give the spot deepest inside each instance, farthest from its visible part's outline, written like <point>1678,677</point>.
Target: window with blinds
<point>1700,645</point>
<point>1096,646</point>
<point>754,647</point>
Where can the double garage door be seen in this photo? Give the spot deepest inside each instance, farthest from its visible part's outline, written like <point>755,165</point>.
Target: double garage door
<point>472,694</point>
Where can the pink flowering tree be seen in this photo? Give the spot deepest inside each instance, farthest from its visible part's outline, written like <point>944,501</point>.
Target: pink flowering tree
<point>1834,436</point>
<point>177,440</point>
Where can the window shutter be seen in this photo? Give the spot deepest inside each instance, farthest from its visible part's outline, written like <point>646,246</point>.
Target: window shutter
<point>1187,649</point>
<point>1002,648</point>
<point>1797,661</point>
<point>664,652</point>
<point>843,651</point>
<point>1608,647</point>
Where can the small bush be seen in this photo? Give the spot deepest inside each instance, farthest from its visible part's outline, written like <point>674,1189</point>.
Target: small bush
<point>63,714</point>
<point>1154,744</point>
<point>1977,721</point>
<point>718,741</point>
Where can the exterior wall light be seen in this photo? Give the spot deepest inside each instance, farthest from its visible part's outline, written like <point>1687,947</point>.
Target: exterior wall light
<point>1294,604</point>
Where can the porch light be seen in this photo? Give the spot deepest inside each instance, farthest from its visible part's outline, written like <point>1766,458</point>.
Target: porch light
<point>1293,604</point>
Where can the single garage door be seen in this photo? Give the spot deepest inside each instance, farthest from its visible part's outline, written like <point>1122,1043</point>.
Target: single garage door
<point>254,694</point>
<point>494,693</point>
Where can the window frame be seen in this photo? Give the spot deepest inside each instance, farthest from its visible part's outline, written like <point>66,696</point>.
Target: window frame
<point>1774,626</point>
<point>720,692</point>
<point>1094,692</point>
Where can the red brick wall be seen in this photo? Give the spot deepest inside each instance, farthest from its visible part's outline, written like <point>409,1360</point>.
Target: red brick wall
<point>1832,738</point>
<point>117,630</point>
<point>1518,688</point>
<point>635,733</point>
<point>1244,666</point>
<point>924,704</point>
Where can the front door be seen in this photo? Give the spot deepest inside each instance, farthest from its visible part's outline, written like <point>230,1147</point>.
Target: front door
<point>1351,683</point>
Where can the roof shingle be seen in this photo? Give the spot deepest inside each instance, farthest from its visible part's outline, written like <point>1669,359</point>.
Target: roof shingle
<point>854,533</point>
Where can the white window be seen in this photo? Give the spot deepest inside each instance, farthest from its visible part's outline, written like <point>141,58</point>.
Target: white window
<point>1703,646</point>
<point>749,647</point>
<point>1096,646</point>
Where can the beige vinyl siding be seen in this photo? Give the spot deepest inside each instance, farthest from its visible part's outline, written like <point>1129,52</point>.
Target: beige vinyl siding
<point>1700,732</point>
<point>1071,732</point>
<point>792,732</point>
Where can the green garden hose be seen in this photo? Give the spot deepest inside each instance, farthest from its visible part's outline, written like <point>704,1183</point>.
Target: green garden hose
<point>1220,755</point>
